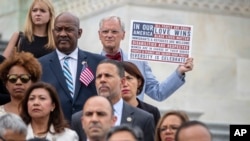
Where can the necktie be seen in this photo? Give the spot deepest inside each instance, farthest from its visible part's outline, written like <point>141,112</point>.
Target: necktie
<point>117,56</point>
<point>68,75</point>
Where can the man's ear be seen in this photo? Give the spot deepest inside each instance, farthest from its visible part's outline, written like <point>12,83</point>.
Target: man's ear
<point>123,35</point>
<point>79,33</point>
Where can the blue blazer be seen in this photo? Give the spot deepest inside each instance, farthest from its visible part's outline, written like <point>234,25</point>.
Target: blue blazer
<point>53,74</point>
<point>152,87</point>
<point>136,116</point>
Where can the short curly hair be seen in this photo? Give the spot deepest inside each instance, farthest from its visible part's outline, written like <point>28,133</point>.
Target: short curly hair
<point>24,59</point>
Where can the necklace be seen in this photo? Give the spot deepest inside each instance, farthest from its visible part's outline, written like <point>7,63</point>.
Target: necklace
<point>41,136</point>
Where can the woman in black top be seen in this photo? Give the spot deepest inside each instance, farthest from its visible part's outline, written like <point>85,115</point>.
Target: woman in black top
<point>37,37</point>
<point>133,86</point>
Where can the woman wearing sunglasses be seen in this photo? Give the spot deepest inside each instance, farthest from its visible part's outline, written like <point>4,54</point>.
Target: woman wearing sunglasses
<point>18,73</point>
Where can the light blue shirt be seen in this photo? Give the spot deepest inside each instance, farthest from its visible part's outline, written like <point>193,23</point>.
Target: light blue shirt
<point>158,91</point>
<point>118,111</point>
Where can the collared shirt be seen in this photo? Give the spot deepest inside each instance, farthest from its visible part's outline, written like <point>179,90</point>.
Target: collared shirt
<point>72,62</point>
<point>103,53</point>
<point>118,111</point>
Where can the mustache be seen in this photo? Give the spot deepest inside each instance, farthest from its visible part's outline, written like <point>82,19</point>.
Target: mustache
<point>95,125</point>
<point>63,39</point>
<point>103,86</point>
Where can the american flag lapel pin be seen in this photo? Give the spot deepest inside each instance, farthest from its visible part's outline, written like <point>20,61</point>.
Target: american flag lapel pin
<point>86,75</point>
<point>84,63</point>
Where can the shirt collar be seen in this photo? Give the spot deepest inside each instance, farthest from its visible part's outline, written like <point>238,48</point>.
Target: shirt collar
<point>103,53</point>
<point>73,55</point>
<point>118,106</point>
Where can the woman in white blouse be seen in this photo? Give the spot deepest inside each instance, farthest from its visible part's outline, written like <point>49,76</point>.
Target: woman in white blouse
<point>41,111</point>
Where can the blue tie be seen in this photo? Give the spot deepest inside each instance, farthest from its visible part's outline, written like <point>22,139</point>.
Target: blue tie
<point>68,75</point>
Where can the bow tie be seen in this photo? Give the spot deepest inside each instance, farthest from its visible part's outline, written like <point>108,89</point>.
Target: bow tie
<point>117,56</point>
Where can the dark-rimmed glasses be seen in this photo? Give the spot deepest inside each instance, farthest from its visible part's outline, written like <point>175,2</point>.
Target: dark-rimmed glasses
<point>12,78</point>
<point>165,128</point>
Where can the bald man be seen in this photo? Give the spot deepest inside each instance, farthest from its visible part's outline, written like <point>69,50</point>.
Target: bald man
<point>98,117</point>
<point>72,92</point>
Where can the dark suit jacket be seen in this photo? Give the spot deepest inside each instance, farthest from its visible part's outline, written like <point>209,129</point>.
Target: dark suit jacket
<point>76,125</point>
<point>151,109</point>
<point>130,115</point>
<point>53,74</point>
<point>4,94</point>
<point>140,118</point>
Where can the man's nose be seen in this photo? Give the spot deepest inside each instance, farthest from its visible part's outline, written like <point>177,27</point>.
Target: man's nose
<point>63,33</point>
<point>94,117</point>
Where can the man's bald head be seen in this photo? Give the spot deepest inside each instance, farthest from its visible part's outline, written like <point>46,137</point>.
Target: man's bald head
<point>69,15</point>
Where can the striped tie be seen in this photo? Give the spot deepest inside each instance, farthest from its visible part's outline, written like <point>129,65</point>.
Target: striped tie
<point>68,75</point>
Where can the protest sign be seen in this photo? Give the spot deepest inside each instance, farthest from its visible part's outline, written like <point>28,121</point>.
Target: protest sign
<point>162,42</point>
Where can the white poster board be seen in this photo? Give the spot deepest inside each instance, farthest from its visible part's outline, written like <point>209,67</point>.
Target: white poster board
<point>161,42</point>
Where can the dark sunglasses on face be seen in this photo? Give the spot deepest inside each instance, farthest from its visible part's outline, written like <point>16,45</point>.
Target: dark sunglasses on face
<point>12,78</point>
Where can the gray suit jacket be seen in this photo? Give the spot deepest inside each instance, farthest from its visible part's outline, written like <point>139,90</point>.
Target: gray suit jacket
<point>130,115</point>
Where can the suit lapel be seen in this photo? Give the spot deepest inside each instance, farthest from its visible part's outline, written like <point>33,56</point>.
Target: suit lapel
<point>81,57</point>
<point>57,70</point>
<point>127,114</point>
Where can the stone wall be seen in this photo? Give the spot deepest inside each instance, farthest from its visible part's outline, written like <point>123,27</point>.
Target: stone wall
<point>217,90</point>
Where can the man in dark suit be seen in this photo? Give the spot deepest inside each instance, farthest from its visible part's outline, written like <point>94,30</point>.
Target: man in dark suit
<point>98,117</point>
<point>109,80</point>
<point>72,92</point>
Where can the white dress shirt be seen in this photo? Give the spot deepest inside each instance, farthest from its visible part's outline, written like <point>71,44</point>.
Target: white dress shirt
<point>118,111</point>
<point>72,63</point>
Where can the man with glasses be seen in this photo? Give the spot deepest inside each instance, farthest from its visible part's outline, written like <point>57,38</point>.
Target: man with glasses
<point>111,33</point>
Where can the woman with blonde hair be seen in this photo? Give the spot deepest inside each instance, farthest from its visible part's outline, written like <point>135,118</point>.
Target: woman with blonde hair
<point>37,37</point>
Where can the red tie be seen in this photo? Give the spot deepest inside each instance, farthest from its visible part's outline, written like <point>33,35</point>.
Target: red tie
<point>117,56</point>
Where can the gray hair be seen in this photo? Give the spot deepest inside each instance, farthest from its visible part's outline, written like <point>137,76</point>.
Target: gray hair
<point>122,25</point>
<point>12,122</point>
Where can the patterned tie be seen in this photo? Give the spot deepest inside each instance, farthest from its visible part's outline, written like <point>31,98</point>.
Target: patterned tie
<point>117,56</point>
<point>68,75</point>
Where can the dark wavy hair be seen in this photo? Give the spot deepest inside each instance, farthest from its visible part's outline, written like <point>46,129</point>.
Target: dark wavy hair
<point>134,71</point>
<point>56,116</point>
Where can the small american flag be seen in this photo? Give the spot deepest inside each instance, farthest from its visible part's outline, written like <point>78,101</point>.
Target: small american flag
<point>86,75</point>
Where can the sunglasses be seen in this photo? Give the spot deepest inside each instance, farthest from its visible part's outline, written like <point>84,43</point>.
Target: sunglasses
<point>12,78</point>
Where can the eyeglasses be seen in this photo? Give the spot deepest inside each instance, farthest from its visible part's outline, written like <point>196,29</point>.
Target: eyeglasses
<point>165,128</point>
<point>12,78</point>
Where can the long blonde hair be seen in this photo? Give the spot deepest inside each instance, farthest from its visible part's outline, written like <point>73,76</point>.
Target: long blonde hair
<point>29,26</point>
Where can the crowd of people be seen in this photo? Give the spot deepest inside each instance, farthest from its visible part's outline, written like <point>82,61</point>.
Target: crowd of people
<point>53,90</point>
